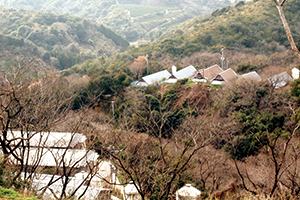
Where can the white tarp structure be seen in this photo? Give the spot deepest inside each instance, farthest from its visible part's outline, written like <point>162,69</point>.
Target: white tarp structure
<point>97,183</point>
<point>131,193</point>
<point>188,192</point>
<point>280,80</point>
<point>91,192</point>
<point>49,139</point>
<point>50,157</point>
<point>53,149</point>
<point>63,151</point>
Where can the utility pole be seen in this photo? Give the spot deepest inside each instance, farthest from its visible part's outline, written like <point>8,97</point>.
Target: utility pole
<point>222,58</point>
<point>113,110</point>
<point>147,64</point>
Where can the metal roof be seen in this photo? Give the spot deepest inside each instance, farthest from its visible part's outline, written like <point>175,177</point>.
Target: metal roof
<point>211,72</point>
<point>186,72</point>
<point>51,157</point>
<point>49,139</point>
<point>251,75</point>
<point>41,180</point>
<point>156,77</point>
<point>280,80</point>
<point>228,74</point>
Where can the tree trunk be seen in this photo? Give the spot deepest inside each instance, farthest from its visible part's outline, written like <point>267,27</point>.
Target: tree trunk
<point>287,28</point>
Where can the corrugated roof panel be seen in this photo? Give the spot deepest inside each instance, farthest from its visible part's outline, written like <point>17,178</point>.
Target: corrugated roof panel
<point>51,157</point>
<point>280,80</point>
<point>50,139</point>
<point>41,180</point>
<point>186,72</point>
<point>156,77</point>
<point>211,72</point>
<point>228,74</point>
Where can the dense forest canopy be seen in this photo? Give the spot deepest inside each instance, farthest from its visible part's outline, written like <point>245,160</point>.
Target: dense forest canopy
<point>61,40</point>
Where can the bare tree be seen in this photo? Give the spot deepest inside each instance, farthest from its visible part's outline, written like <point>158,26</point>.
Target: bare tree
<point>30,108</point>
<point>155,163</point>
<point>279,5</point>
<point>138,66</point>
<point>28,104</point>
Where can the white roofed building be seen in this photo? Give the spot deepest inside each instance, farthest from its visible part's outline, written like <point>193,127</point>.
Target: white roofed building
<point>50,139</point>
<point>224,76</point>
<point>187,72</point>
<point>52,157</point>
<point>152,79</point>
<point>280,80</point>
<point>75,183</point>
<point>55,153</point>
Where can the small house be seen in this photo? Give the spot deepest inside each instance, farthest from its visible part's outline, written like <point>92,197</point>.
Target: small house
<point>187,72</point>
<point>224,76</point>
<point>206,75</point>
<point>280,80</point>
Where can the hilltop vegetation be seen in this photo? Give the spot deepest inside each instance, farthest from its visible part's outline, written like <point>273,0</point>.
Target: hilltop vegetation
<point>60,40</point>
<point>251,28</point>
<point>133,19</point>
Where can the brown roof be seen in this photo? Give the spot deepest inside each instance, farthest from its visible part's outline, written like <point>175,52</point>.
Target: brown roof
<point>252,76</point>
<point>211,72</point>
<point>228,74</point>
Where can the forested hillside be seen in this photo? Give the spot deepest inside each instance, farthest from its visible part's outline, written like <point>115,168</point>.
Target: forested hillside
<point>239,140</point>
<point>251,34</point>
<point>248,27</point>
<point>60,40</point>
<point>133,19</point>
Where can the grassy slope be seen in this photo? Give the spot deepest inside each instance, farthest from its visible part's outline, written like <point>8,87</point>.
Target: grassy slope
<point>11,194</point>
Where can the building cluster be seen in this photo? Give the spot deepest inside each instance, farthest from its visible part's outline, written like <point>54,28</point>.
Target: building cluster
<point>55,154</point>
<point>51,151</point>
<point>213,74</point>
